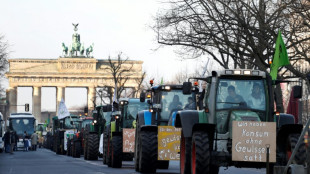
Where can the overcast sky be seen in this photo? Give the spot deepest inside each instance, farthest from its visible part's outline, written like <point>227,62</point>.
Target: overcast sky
<point>36,29</point>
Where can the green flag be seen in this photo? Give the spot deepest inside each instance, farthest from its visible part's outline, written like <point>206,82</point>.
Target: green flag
<point>162,81</point>
<point>280,57</point>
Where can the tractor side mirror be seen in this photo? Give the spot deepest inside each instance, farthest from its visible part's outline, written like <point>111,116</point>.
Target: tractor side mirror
<point>187,88</point>
<point>142,97</point>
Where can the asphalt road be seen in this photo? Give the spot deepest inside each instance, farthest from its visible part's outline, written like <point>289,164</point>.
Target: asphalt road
<point>44,161</point>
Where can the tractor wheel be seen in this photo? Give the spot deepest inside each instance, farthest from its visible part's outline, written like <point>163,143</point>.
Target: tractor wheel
<point>117,151</point>
<point>68,148</point>
<point>148,152</point>
<point>77,149</point>
<point>62,147</point>
<point>109,153</point>
<point>92,147</point>
<point>137,152</point>
<point>162,164</point>
<point>57,147</point>
<point>300,157</point>
<point>185,154</point>
<point>201,153</point>
<point>85,149</point>
<point>73,153</point>
<point>105,149</point>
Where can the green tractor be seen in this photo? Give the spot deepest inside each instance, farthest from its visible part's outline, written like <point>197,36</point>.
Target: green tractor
<point>165,101</point>
<point>118,140</point>
<point>64,128</point>
<point>75,142</point>
<point>91,135</point>
<point>238,125</point>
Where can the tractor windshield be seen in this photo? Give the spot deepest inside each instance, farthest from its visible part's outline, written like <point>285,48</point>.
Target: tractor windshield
<point>243,100</point>
<point>86,122</point>
<point>134,108</point>
<point>75,120</point>
<point>40,127</point>
<point>241,93</point>
<point>175,100</point>
<point>106,116</point>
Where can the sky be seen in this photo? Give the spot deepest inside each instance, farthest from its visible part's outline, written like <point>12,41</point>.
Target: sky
<point>36,29</point>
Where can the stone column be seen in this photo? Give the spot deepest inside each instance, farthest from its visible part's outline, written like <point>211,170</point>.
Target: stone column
<point>36,103</point>
<point>12,100</point>
<point>60,94</point>
<point>91,99</point>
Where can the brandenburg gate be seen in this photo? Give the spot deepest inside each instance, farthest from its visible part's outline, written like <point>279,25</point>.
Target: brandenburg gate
<point>70,70</point>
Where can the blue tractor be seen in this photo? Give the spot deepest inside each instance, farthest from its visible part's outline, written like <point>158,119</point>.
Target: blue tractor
<point>165,101</point>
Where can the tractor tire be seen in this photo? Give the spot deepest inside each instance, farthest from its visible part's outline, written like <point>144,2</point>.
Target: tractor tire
<point>69,148</point>
<point>117,151</point>
<point>62,147</point>
<point>85,149</point>
<point>57,146</point>
<point>137,151</point>
<point>301,154</point>
<point>77,149</point>
<point>162,164</point>
<point>201,153</point>
<point>92,147</point>
<point>109,153</point>
<point>105,149</point>
<point>148,152</point>
<point>185,154</point>
<point>73,149</point>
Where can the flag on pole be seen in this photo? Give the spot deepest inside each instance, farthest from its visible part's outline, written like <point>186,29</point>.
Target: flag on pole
<point>280,57</point>
<point>62,110</point>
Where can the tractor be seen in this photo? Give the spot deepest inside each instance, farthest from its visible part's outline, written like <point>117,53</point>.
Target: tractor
<point>75,143</point>
<point>119,136</point>
<point>210,138</point>
<point>64,128</point>
<point>164,102</point>
<point>101,117</point>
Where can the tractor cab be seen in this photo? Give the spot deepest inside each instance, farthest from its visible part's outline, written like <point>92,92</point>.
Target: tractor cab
<point>166,100</point>
<point>238,96</point>
<point>129,108</point>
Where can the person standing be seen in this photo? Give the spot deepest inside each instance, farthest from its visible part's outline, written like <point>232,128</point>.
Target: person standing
<point>34,141</point>
<point>14,139</point>
<point>25,139</point>
<point>7,140</point>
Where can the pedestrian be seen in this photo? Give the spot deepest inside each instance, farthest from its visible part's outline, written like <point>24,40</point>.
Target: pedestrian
<point>34,141</point>
<point>25,139</point>
<point>14,139</point>
<point>7,140</point>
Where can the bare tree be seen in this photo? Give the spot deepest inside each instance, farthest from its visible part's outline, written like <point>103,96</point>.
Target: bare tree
<point>236,33</point>
<point>104,94</point>
<point>120,69</point>
<point>136,92</point>
<point>3,61</point>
